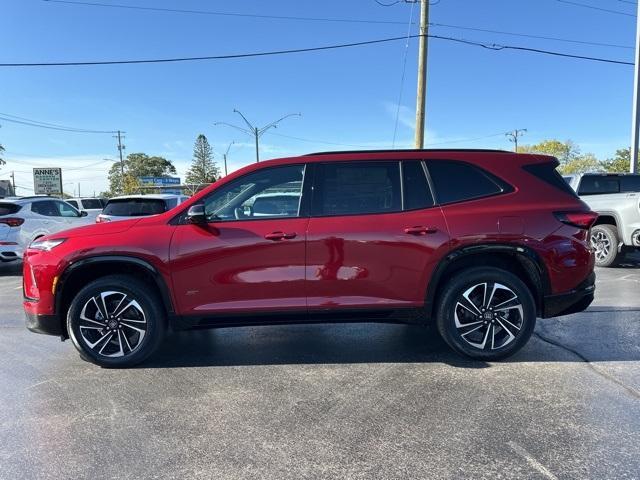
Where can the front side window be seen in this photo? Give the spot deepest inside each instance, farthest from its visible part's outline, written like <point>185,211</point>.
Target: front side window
<point>457,181</point>
<point>270,193</point>
<point>357,188</point>
<point>66,210</point>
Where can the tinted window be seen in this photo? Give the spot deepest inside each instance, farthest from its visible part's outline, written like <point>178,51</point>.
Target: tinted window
<point>457,181</point>
<point>134,207</point>
<point>357,188</point>
<point>598,184</point>
<point>66,210</point>
<point>73,203</point>
<point>547,173</point>
<point>268,193</point>
<point>47,208</point>
<point>90,204</point>
<point>9,208</point>
<point>171,203</point>
<point>630,183</point>
<point>415,186</point>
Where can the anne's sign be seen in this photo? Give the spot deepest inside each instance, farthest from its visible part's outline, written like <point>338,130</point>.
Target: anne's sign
<point>47,181</point>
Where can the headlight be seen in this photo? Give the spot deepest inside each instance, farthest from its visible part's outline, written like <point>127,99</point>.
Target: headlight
<point>46,245</point>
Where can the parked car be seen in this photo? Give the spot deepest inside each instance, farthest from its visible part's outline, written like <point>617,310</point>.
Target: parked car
<point>93,206</point>
<point>127,206</point>
<point>481,243</point>
<point>616,198</point>
<point>29,218</point>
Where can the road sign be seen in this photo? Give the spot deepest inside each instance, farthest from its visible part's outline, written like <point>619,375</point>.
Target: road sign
<point>47,181</point>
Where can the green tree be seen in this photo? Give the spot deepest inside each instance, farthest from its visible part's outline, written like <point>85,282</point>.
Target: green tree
<point>619,163</point>
<point>203,169</point>
<point>582,164</point>
<point>137,165</point>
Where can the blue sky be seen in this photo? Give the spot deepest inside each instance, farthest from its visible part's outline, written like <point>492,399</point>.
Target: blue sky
<point>345,96</point>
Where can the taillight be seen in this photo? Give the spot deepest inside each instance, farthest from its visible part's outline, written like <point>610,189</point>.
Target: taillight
<point>577,219</point>
<point>12,222</point>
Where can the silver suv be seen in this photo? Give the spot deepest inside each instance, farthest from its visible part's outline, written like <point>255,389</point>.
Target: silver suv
<point>25,219</point>
<point>616,199</point>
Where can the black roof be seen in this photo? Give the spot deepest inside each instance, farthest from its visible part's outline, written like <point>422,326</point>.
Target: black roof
<point>410,150</point>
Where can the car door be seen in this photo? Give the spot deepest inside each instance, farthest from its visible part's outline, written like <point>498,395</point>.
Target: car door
<point>69,216</point>
<point>373,239</point>
<point>46,217</point>
<point>238,261</point>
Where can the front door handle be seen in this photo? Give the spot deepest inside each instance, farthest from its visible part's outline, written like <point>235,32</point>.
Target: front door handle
<point>420,230</point>
<point>280,236</point>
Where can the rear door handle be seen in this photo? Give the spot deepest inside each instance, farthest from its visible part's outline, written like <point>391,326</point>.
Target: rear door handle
<point>280,236</point>
<point>420,230</point>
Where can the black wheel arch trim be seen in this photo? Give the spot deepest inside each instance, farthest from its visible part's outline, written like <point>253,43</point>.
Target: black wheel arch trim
<point>532,261</point>
<point>157,277</point>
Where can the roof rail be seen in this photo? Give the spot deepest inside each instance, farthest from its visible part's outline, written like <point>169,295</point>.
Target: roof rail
<point>410,150</point>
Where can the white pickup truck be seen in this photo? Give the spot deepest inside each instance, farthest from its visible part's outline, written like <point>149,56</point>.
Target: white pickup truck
<point>616,198</point>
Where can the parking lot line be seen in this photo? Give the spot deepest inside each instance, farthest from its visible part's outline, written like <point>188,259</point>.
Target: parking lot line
<point>532,461</point>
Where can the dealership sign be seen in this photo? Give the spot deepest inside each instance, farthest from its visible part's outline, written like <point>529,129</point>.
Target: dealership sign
<point>162,183</point>
<point>47,181</point>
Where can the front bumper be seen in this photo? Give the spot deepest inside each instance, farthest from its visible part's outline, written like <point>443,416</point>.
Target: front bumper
<point>46,324</point>
<point>573,301</point>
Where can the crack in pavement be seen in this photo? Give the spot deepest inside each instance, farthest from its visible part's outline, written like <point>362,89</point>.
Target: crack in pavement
<point>630,390</point>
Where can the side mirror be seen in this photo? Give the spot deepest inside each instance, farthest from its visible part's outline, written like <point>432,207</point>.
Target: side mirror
<point>83,213</point>
<point>196,215</point>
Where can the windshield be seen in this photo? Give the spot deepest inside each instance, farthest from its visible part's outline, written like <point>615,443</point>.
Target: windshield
<point>135,207</point>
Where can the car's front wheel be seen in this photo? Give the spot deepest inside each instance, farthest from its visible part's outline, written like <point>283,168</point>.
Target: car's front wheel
<point>486,313</point>
<point>116,322</point>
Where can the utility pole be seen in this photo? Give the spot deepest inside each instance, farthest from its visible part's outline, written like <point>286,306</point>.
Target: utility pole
<point>79,190</point>
<point>13,182</point>
<point>121,147</point>
<point>225,158</point>
<point>513,137</point>
<point>256,132</point>
<point>635,131</point>
<point>421,100</point>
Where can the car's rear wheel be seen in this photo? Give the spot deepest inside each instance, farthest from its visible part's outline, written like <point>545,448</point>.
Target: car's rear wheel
<point>116,322</point>
<point>604,240</point>
<point>486,313</point>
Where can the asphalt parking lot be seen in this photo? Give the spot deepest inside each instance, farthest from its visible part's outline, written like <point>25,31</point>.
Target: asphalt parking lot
<point>329,401</point>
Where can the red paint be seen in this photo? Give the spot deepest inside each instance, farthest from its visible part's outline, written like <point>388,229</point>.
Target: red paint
<point>328,262</point>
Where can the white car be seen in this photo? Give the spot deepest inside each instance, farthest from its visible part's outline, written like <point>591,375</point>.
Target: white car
<point>93,206</point>
<point>129,206</point>
<point>25,219</point>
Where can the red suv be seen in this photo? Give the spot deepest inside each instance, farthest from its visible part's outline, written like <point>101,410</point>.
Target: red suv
<point>479,242</point>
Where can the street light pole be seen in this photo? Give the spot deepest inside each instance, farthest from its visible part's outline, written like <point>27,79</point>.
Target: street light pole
<point>256,132</point>
<point>225,158</point>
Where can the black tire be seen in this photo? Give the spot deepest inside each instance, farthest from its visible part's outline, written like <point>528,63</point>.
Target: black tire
<point>147,315</point>
<point>604,240</point>
<point>450,311</point>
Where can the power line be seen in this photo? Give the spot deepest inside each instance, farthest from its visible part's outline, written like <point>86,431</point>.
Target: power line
<point>541,37</point>
<point>227,14</point>
<point>592,7</point>
<point>403,76</point>
<point>51,126</point>
<point>490,46</point>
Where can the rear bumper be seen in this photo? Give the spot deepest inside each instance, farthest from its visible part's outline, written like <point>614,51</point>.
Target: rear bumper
<point>573,301</point>
<point>45,324</point>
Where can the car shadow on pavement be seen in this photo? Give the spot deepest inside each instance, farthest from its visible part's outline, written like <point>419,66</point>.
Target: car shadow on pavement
<point>10,269</point>
<point>362,343</point>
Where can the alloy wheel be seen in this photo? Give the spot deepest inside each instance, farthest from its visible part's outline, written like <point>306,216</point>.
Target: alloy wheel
<point>112,324</point>
<point>601,244</point>
<point>488,316</point>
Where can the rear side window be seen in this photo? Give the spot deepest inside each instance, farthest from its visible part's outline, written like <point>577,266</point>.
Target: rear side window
<point>134,207</point>
<point>547,173</point>
<point>48,208</point>
<point>630,183</point>
<point>417,193</point>
<point>598,185</point>
<point>357,188</point>
<point>9,208</point>
<point>457,181</point>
